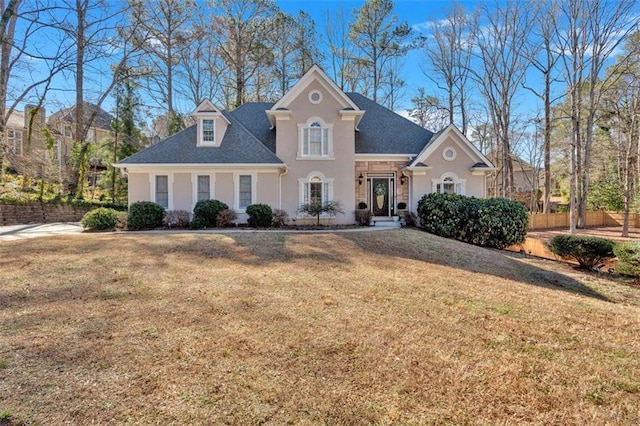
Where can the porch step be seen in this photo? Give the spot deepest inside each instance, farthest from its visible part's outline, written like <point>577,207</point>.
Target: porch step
<point>386,224</point>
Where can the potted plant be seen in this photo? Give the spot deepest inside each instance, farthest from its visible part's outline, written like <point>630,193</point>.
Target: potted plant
<point>380,190</point>
<point>402,208</point>
<point>363,214</point>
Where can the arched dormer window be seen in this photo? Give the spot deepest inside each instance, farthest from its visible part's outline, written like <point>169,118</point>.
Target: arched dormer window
<point>448,183</point>
<point>315,139</point>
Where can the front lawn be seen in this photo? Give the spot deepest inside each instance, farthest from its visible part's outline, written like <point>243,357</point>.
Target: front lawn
<point>391,327</point>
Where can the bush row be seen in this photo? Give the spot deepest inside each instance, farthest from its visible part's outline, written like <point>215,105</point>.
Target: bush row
<point>206,214</point>
<point>492,222</point>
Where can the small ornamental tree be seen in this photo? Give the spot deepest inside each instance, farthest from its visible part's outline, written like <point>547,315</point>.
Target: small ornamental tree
<point>331,208</point>
<point>587,251</point>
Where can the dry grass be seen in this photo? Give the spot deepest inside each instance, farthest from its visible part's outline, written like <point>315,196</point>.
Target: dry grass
<point>393,327</point>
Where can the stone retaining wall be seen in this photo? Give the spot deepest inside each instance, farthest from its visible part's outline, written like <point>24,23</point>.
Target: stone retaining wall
<point>11,214</point>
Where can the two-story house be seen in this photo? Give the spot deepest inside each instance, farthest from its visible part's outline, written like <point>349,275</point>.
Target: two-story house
<point>316,144</point>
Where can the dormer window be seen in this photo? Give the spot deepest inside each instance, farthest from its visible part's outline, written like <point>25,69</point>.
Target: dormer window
<point>208,131</point>
<point>212,124</point>
<point>315,140</point>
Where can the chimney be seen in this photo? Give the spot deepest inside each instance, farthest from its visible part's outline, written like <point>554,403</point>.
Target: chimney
<point>38,120</point>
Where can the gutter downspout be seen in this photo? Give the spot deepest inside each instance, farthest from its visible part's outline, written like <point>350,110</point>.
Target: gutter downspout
<point>286,170</point>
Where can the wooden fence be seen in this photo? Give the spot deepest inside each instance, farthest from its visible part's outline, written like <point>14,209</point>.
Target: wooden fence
<point>561,220</point>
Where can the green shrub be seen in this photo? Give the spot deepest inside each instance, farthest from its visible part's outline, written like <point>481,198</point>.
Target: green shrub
<point>206,212</point>
<point>225,218</point>
<point>176,219</point>
<point>493,222</point>
<point>440,214</point>
<point>144,215</point>
<point>100,219</point>
<point>628,255</point>
<point>587,251</point>
<point>260,215</point>
<point>280,218</point>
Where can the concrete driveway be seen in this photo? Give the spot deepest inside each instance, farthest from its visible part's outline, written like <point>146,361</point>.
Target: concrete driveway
<point>18,232</point>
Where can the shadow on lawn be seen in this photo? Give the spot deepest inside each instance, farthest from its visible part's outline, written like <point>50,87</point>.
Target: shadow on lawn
<point>317,251</point>
<point>425,247</point>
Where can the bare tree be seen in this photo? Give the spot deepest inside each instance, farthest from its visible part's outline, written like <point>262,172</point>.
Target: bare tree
<point>501,44</point>
<point>240,27</point>
<point>379,38</point>
<point>344,69</point>
<point>164,30</point>
<point>449,51</point>
<point>587,33</point>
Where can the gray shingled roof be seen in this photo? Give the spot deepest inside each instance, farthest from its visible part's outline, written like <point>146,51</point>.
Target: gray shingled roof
<point>253,117</point>
<point>250,138</point>
<point>239,146</point>
<point>102,119</point>
<point>382,131</point>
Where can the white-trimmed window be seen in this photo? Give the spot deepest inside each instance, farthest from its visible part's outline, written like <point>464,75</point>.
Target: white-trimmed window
<point>91,135</point>
<point>203,183</point>
<point>245,191</point>
<point>162,190</point>
<point>67,131</point>
<point>448,183</point>
<point>14,139</point>
<point>208,131</point>
<point>315,139</point>
<point>315,189</point>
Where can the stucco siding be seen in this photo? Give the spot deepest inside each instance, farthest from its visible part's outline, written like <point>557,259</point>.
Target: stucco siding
<point>182,192</point>
<point>224,190</point>
<point>339,168</point>
<point>139,187</point>
<point>267,189</point>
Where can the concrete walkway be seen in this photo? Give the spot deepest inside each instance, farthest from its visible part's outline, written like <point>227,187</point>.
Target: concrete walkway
<point>18,232</point>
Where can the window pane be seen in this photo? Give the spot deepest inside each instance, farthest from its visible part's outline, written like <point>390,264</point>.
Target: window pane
<point>208,131</point>
<point>245,192</point>
<point>204,192</point>
<point>162,191</point>
<point>315,192</point>
<point>315,141</point>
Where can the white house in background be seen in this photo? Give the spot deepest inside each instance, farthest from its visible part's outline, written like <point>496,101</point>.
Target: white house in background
<point>316,144</point>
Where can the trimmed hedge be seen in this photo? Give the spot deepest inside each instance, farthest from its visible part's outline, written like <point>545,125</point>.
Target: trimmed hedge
<point>493,222</point>
<point>205,213</point>
<point>628,255</point>
<point>144,215</point>
<point>587,251</point>
<point>101,219</point>
<point>260,215</point>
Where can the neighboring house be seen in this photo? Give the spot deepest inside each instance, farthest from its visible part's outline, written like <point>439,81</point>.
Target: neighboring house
<point>63,126</point>
<point>527,180</point>
<point>316,144</point>
<point>23,138</point>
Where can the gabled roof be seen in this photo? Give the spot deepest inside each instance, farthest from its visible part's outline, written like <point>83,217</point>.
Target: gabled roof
<point>315,74</point>
<point>481,162</point>
<point>102,119</point>
<point>382,131</point>
<point>239,146</point>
